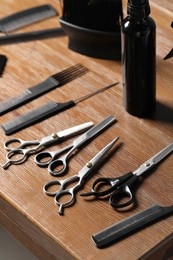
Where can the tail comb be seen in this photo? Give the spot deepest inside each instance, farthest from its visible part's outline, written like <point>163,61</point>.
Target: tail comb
<point>57,80</point>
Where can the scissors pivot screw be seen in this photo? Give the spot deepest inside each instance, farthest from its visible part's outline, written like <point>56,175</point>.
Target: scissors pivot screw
<point>89,164</point>
<point>54,135</point>
<point>147,164</point>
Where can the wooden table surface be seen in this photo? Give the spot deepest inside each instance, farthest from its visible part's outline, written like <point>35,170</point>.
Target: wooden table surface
<point>24,209</point>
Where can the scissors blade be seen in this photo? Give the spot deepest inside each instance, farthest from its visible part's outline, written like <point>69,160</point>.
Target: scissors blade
<point>75,129</point>
<point>154,160</point>
<point>67,132</point>
<point>96,159</point>
<point>94,130</point>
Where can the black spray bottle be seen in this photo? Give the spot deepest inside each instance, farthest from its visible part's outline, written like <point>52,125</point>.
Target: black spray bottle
<point>139,59</point>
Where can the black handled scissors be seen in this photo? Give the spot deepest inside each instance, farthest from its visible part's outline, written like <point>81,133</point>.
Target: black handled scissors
<point>18,149</point>
<point>79,178</point>
<point>58,166</point>
<point>120,189</point>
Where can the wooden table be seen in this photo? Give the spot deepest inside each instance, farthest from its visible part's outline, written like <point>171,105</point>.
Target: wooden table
<point>24,209</point>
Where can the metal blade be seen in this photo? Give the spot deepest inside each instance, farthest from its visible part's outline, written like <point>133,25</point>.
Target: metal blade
<point>107,121</point>
<point>75,129</point>
<point>94,130</point>
<point>96,159</point>
<point>103,152</point>
<point>154,160</point>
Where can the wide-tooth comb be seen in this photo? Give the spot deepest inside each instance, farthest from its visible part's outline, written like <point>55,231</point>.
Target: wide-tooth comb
<point>54,81</point>
<point>26,17</point>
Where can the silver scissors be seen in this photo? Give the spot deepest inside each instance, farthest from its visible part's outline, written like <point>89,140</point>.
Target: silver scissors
<point>64,191</point>
<point>120,189</point>
<point>19,150</point>
<point>58,166</point>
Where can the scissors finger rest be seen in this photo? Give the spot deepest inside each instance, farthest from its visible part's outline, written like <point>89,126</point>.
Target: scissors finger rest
<point>63,197</point>
<point>15,157</point>
<point>67,200</point>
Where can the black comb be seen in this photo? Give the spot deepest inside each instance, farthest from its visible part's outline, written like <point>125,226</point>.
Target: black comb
<point>31,36</point>
<point>130,225</point>
<point>45,111</point>
<point>26,17</point>
<point>54,81</point>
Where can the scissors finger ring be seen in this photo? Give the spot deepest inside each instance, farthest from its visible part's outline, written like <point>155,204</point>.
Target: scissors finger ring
<point>122,197</point>
<point>16,142</point>
<point>66,202</point>
<point>59,166</point>
<point>44,158</point>
<point>47,188</point>
<point>15,157</point>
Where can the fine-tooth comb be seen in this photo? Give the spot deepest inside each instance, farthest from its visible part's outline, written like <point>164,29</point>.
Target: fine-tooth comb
<point>26,17</point>
<point>130,225</point>
<point>54,81</point>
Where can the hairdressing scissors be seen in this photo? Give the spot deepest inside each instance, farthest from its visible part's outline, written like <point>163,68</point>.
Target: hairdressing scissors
<point>58,166</point>
<point>19,150</point>
<point>120,189</point>
<point>64,191</point>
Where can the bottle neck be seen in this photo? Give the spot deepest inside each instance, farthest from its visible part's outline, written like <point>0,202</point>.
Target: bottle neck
<point>138,11</point>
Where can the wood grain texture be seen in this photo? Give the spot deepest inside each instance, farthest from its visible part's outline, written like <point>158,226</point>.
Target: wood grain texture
<point>166,5</point>
<point>24,209</point>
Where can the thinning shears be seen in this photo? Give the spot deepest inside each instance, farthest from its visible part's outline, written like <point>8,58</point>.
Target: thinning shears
<point>58,166</point>
<point>19,150</point>
<point>64,191</point>
<point>120,189</point>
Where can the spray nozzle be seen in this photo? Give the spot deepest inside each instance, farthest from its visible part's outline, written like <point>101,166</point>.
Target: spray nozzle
<point>138,8</point>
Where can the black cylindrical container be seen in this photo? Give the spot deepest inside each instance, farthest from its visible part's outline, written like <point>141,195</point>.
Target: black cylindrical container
<point>139,59</point>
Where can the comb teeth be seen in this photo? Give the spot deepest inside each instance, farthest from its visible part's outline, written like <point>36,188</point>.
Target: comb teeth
<point>71,73</point>
<point>33,116</point>
<point>50,83</point>
<point>26,17</point>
